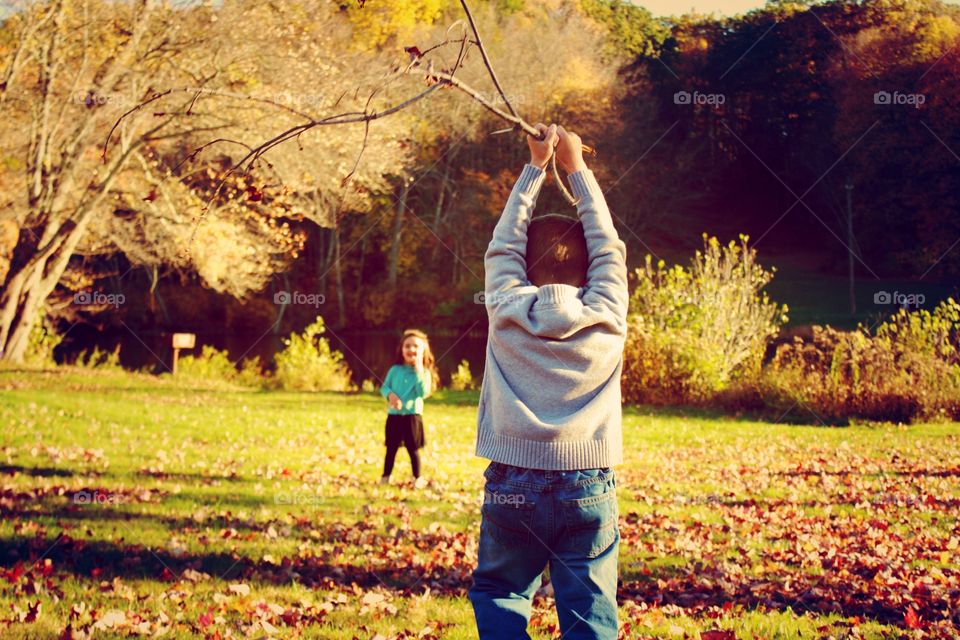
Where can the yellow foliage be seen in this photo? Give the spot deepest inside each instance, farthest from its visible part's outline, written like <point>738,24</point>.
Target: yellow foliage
<point>935,35</point>
<point>376,23</point>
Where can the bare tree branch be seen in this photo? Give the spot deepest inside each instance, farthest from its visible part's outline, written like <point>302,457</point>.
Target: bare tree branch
<point>436,79</point>
<point>486,59</point>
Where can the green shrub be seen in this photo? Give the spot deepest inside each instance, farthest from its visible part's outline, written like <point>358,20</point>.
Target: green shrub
<point>251,373</point>
<point>462,378</point>
<point>694,331</point>
<point>43,339</point>
<point>210,364</point>
<point>908,370</point>
<point>307,363</point>
<point>215,366</point>
<point>97,359</point>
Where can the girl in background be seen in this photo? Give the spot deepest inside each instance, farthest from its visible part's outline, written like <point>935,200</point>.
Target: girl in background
<point>413,378</point>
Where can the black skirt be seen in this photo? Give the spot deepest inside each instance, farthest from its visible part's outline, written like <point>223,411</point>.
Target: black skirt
<point>405,430</point>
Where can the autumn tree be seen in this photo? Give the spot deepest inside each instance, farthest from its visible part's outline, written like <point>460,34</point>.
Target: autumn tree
<point>86,140</point>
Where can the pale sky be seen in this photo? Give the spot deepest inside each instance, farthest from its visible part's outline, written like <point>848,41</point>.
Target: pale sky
<point>722,7</point>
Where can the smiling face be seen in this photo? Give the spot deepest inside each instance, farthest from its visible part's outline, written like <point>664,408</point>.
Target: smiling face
<point>412,348</point>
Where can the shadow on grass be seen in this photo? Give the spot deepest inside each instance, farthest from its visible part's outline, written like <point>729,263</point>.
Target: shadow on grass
<point>915,473</point>
<point>683,586</point>
<point>105,560</point>
<point>686,586</point>
<point>189,477</point>
<point>44,472</point>
<point>87,515</point>
<point>74,516</point>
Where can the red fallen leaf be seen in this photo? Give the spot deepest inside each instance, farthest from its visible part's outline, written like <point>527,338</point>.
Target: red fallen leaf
<point>95,572</point>
<point>14,574</point>
<point>718,634</point>
<point>920,590</point>
<point>911,619</point>
<point>205,620</point>
<point>150,197</point>
<point>33,611</point>
<point>166,574</point>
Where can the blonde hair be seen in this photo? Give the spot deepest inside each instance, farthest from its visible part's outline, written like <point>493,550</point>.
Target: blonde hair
<point>429,362</point>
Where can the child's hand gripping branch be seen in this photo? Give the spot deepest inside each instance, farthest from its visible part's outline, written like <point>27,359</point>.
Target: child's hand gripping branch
<point>555,139</point>
<point>570,151</point>
<point>542,150</point>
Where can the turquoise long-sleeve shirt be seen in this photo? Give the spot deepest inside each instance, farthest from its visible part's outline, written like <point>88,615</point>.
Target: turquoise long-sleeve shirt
<point>412,388</point>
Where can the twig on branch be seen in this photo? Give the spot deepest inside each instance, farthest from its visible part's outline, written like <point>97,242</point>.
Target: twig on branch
<point>199,91</point>
<point>363,147</point>
<point>519,122</point>
<point>366,107</point>
<point>486,60</point>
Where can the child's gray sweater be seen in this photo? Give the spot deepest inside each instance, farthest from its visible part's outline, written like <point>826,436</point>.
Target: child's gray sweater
<point>551,388</point>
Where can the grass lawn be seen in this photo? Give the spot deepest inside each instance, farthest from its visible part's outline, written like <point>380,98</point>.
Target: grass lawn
<point>137,505</point>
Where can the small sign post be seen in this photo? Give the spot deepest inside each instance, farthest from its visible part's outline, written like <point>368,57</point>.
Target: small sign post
<point>182,341</point>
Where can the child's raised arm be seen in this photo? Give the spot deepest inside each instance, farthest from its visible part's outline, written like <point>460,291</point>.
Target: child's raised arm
<point>606,286</point>
<point>504,262</point>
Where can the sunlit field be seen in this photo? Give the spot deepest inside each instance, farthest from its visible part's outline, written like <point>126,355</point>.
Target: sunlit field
<point>142,506</point>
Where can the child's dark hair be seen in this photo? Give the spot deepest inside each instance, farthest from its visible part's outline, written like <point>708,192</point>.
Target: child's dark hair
<point>429,362</point>
<point>556,251</point>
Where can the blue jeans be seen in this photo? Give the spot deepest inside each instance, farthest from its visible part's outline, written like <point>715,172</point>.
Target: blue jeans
<point>532,518</point>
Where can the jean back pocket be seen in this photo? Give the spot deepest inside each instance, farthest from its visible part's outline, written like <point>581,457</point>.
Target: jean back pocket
<point>591,523</point>
<point>508,516</point>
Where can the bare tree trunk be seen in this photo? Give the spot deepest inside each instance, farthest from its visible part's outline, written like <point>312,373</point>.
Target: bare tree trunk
<point>338,275</point>
<point>281,307</point>
<point>397,232</point>
<point>32,280</point>
<point>455,278</point>
<point>156,300</point>
<point>848,187</point>
<point>363,254</point>
<point>52,162</point>
<point>438,210</point>
<point>30,285</point>
<point>321,258</point>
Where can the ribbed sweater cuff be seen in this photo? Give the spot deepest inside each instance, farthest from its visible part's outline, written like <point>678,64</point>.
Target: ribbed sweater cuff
<point>530,180</point>
<point>582,183</point>
<point>554,294</point>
